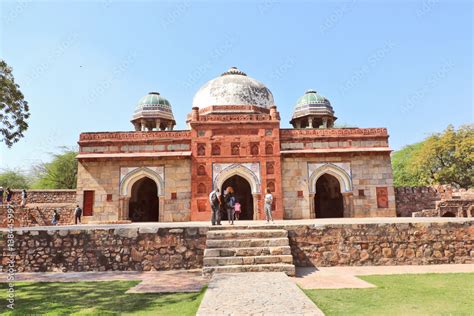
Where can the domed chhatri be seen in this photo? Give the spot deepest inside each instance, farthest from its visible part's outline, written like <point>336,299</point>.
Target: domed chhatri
<point>153,112</point>
<point>233,88</point>
<point>313,111</point>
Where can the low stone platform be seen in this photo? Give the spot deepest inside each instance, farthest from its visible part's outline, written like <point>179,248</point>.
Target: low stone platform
<point>176,281</point>
<point>263,293</point>
<point>173,246</point>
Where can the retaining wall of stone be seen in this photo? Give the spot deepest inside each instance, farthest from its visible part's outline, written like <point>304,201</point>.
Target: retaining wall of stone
<point>101,249</point>
<point>122,248</point>
<point>46,196</point>
<point>383,244</point>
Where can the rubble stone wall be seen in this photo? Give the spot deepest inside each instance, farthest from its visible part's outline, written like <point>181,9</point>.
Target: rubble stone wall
<point>117,249</point>
<point>46,196</point>
<point>383,244</point>
<point>122,248</point>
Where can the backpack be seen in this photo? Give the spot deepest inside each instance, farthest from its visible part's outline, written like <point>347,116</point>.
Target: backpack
<point>230,200</point>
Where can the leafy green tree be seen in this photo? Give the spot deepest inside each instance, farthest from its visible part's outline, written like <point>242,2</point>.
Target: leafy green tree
<point>405,173</point>
<point>14,110</point>
<point>13,179</point>
<point>448,157</point>
<point>442,158</point>
<point>60,173</point>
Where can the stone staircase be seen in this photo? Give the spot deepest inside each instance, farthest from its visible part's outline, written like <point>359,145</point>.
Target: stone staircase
<point>247,250</point>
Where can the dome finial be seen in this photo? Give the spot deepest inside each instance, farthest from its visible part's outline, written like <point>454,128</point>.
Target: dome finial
<point>234,71</point>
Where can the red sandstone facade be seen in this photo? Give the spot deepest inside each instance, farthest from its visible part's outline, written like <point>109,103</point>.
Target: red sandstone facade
<point>165,175</point>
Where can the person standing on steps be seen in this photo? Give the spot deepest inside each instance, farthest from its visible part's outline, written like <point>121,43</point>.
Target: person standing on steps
<point>77,214</point>
<point>229,204</point>
<point>214,199</point>
<point>268,206</point>
<point>24,196</point>
<point>237,210</point>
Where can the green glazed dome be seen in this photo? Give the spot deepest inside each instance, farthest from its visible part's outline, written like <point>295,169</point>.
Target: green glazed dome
<point>312,103</point>
<point>153,105</point>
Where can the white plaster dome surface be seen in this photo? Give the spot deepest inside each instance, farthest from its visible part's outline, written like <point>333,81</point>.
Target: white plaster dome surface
<point>233,87</point>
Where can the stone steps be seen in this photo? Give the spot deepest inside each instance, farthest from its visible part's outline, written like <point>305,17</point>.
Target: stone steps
<point>289,269</point>
<point>247,250</point>
<point>247,234</point>
<point>244,243</point>
<point>248,260</point>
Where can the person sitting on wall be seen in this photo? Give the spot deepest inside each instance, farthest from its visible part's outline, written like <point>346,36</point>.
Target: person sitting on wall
<point>77,214</point>
<point>214,199</point>
<point>56,217</point>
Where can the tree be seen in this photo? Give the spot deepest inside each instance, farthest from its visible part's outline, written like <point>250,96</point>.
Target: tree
<point>13,179</point>
<point>448,157</point>
<point>442,158</point>
<point>14,110</point>
<point>405,173</point>
<point>60,173</point>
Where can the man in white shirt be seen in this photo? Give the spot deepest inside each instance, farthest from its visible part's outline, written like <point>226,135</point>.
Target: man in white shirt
<point>214,199</point>
<point>268,206</point>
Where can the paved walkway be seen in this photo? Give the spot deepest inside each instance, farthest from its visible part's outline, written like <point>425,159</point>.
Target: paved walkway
<point>255,293</point>
<point>278,223</point>
<point>152,282</point>
<point>345,277</point>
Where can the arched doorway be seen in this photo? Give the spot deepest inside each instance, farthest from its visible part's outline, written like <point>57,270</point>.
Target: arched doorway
<point>242,193</point>
<point>144,202</point>
<point>328,200</point>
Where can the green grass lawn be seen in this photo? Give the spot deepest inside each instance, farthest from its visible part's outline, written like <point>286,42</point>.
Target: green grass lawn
<point>94,298</point>
<point>415,294</point>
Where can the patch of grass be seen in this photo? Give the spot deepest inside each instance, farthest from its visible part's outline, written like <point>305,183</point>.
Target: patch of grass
<point>94,298</point>
<point>407,294</point>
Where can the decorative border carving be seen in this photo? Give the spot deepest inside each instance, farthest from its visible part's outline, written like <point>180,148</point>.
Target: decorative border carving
<point>150,135</point>
<point>340,170</point>
<point>336,132</point>
<point>129,175</point>
<point>249,171</point>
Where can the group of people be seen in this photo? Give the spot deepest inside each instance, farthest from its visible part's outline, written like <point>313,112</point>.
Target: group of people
<point>7,195</point>
<point>77,216</point>
<point>228,203</point>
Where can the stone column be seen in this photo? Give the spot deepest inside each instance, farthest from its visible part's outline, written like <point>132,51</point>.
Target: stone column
<point>348,202</point>
<point>312,210</point>
<point>137,126</point>
<point>256,215</point>
<point>123,207</point>
<point>170,126</point>
<point>161,211</point>
<point>310,122</point>
<point>325,122</point>
<point>298,124</point>
<point>157,124</point>
<point>143,125</point>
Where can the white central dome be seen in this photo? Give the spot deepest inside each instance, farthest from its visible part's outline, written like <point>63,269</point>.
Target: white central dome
<point>233,87</point>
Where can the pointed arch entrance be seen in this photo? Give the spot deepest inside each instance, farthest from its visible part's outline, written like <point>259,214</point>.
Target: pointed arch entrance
<point>144,203</point>
<point>243,194</point>
<point>141,194</point>
<point>328,200</point>
<point>330,190</point>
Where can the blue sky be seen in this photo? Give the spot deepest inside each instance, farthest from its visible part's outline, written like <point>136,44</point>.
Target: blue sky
<point>82,66</point>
